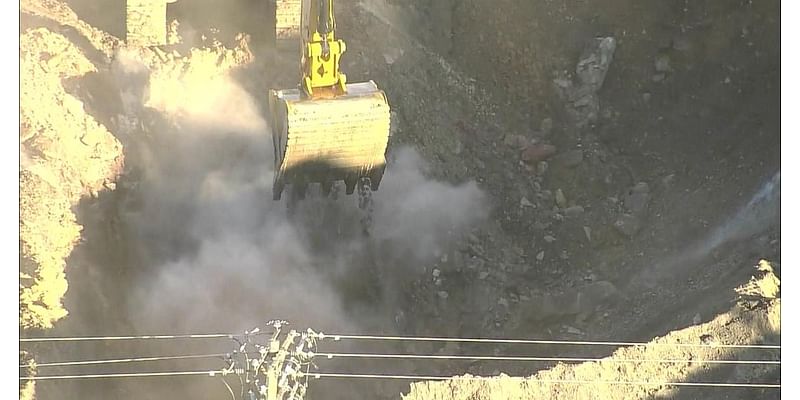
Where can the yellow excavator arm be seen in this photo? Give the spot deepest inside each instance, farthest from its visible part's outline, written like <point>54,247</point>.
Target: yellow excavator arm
<point>321,50</point>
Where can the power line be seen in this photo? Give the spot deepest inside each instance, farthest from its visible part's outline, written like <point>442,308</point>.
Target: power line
<point>143,337</point>
<point>536,341</point>
<point>127,375</point>
<point>545,381</point>
<point>125,360</point>
<point>413,356</point>
<point>337,337</point>
<point>515,358</point>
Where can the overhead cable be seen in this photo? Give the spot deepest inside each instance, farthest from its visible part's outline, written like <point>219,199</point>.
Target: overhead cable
<point>337,337</point>
<point>561,359</point>
<point>125,360</point>
<point>125,375</point>
<point>143,337</point>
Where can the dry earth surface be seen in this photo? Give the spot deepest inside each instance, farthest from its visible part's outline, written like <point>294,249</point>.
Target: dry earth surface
<point>559,170</point>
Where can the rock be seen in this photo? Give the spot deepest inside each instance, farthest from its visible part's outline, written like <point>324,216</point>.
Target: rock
<point>681,43</point>
<point>569,159</point>
<point>574,331</point>
<point>646,97</point>
<point>662,63</point>
<point>658,77</point>
<point>442,294</point>
<point>392,54</point>
<point>561,200</point>
<point>573,211</point>
<point>540,256</point>
<point>393,123</point>
<point>588,232</point>
<point>641,187</point>
<point>708,339</point>
<point>483,275</point>
<point>549,239</point>
<point>584,110</point>
<point>564,255</point>
<point>476,249</point>
<point>697,319</point>
<point>668,181</point>
<point>546,126</point>
<point>524,202</point>
<point>637,198</point>
<point>595,61</point>
<point>515,141</point>
<point>458,147</point>
<point>536,152</point>
<point>499,275</point>
<point>627,224</point>
<point>502,302</point>
<point>541,167</point>
<point>436,272</point>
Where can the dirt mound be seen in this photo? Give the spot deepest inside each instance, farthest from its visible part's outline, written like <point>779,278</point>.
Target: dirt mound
<point>66,154</point>
<point>60,13</point>
<point>744,324</point>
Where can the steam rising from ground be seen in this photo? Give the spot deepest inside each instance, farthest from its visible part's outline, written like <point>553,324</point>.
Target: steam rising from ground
<point>218,253</point>
<point>760,214</point>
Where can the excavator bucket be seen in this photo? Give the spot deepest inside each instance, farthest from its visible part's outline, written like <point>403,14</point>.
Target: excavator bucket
<point>343,138</point>
<point>287,20</point>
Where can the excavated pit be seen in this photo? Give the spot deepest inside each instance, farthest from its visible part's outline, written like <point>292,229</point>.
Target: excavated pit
<point>519,183</point>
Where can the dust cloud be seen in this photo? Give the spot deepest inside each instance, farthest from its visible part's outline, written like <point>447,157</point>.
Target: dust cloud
<point>215,252</point>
